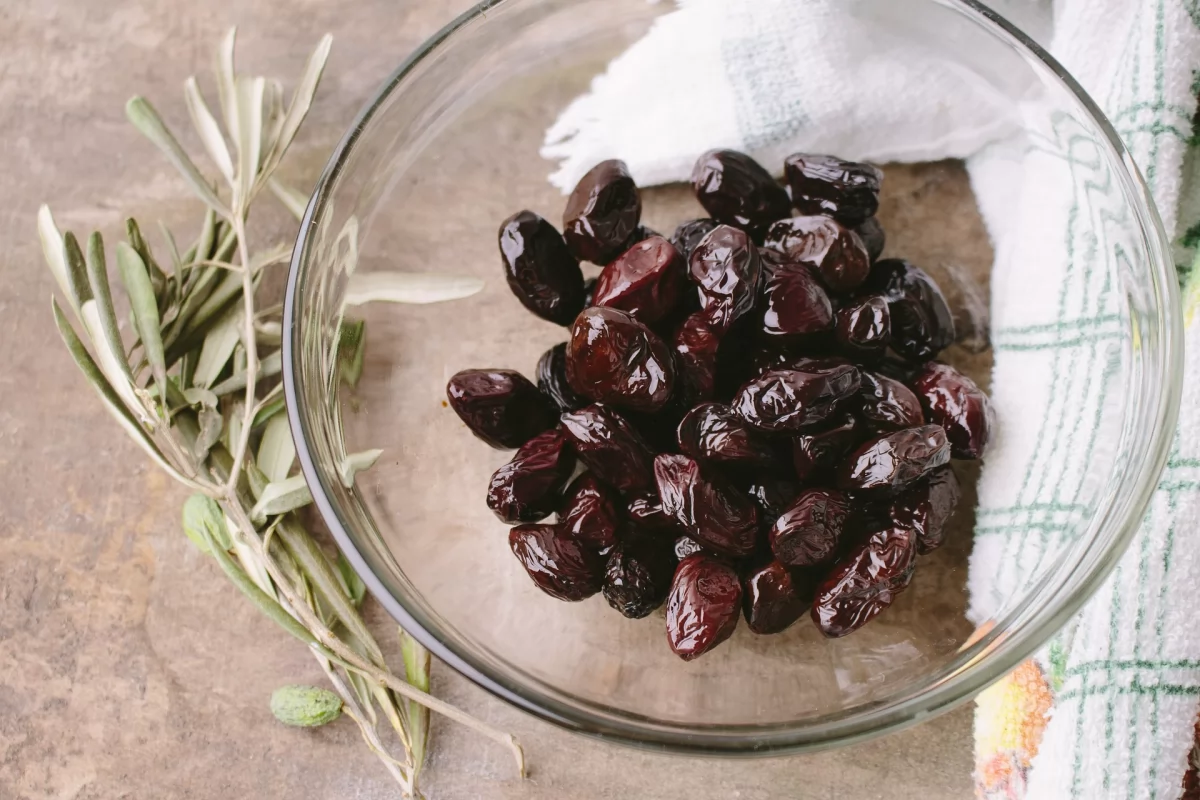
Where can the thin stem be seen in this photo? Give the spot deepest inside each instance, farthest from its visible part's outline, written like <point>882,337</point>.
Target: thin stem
<point>336,650</point>
<point>251,346</point>
<point>369,734</point>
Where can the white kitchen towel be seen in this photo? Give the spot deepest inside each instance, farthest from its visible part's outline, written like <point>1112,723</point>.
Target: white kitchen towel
<point>1108,709</point>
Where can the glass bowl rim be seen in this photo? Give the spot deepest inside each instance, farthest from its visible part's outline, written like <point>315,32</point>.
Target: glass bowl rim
<point>992,654</point>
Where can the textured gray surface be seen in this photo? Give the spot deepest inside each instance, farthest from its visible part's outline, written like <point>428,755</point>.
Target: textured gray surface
<point>128,667</point>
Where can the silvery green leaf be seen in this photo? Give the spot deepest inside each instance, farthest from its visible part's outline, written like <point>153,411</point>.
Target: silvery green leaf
<point>303,97</point>
<point>325,582</point>
<point>366,696</point>
<point>272,117</point>
<point>52,252</point>
<point>254,477</point>
<point>229,284</point>
<point>355,588</point>
<point>352,345</point>
<point>292,200</point>
<point>218,347</point>
<point>203,520</point>
<point>226,79</point>
<point>268,411</point>
<point>77,279</point>
<point>147,120</point>
<point>280,497</point>
<point>145,310</point>
<point>269,334</point>
<point>267,603</point>
<point>268,367</point>
<point>251,563</point>
<point>276,451</point>
<point>106,335</point>
<point>408,287</point>
<point>133,233</point>
<point>197,396</point>
<point>417,663</point>
<point>210,432</point>
<point>202,281</point>
<point>233,428</point>
<point>172,245</point>
<point>226,243</point>
<point>108,397</point>
<point>187,367</point>
<point>206,126</point>
<point>240,359</point>
<point>250,110</point>
<point>356,463</point>
<point>202,248</point>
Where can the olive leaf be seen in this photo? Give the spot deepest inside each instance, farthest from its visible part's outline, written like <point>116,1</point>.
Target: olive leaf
<point>355,463</point>
<point>352,345</point>
<point>325,582</point>
<point>355,588</point>
<point>227,83</point>
<point>52,252</point>
<point>147,120</point>
<point>280,497</point>
<point>417,662</point>
<point>211,423</point>
<point>107,396</point>
<point>206,126</point>
<point>408,287</point>
<point>100,320</point>
<point>203,521</point>
<point>77,278</point>
<point>217,349</point>
<point>145,310</point>
<point>268,366</point>
<point>276,452</point>
<point>198,396</point>
<point>302,98</point>
<point>249,134</point>
<point>266,603</point>
<point>268,412</point>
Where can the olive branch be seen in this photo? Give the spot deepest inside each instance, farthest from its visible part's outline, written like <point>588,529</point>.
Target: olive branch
<point>197,389</point>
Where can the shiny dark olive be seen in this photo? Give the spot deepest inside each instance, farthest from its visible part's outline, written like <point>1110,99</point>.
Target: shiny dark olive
<point>500,406</point>
<point>646,280</point>
<point>703,606</point>
<point>557,564</point>
<point>921,322</point>
<point>791,400</point>
<point>552,380</point>
<point>953,401</point>
<point>864,327</point>
<point>539,268</point>
<point>735,190</point>
<point>610,447</point>
<point>528,487</point>
<point>602,213</point>
<point>894,460</point>
<point>848,191</point>
<point>873,236</point>
<point>836,252</point>
<point>689,234</point>
<point>727,268</point>
<point>612,358</point>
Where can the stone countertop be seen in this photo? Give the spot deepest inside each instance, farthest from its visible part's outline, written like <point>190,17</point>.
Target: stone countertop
<point>129,668</point>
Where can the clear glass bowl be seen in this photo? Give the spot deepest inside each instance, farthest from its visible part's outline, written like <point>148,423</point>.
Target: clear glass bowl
<point>449,148</point>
